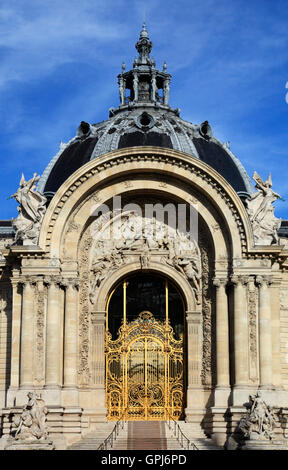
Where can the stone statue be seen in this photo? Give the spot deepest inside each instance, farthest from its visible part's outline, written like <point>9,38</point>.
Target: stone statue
<point>260,419</point>
<point>166,92</point>
<point>153,88</point>
<point>261,212</point>
<point>190,269</point>
<point>99,271</point>
<point>184,256</point>
<point>31,211</point>
<point>122,90</point>
<point>135,86</point>
<point>31,423</point>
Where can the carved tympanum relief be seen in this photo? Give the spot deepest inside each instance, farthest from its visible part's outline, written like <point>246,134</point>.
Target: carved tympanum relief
<point>131,234</point>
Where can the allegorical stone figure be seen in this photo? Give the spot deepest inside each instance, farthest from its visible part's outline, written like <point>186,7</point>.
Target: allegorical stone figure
<point>122,90</point>
<point>261,212</point>
<point>260,420</point>
<point>31,210</point>
<point>31,423</point>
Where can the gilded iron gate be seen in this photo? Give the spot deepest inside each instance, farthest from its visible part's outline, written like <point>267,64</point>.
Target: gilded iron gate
<point>144,371</point>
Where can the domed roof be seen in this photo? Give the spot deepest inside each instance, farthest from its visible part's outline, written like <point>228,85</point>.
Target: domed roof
<point>144,119</point>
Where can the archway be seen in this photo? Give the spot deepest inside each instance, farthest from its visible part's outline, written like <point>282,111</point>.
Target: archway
<point>145,349</point>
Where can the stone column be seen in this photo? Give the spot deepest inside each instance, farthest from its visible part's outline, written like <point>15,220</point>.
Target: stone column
<point>98,320</point>
<point>241,365</point>
<point>70,392</point>
<point>27,334</point>
<point>275,318</point>
<point>265,332</point>
<point>53,333</point>
<point>16,334</point>
<point>222,390</point>
<point>166,91</point>
<point>70,332</point>
<point>222,334</point>
<point>194,363</point>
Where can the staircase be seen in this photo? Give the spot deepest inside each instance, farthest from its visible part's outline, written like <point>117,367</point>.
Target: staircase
<point>93,440</point>
<point>146,435</point>
<point>143,435</point>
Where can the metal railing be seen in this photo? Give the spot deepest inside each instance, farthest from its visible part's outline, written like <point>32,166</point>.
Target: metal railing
<point>110,440</point>
<point>184,442</point>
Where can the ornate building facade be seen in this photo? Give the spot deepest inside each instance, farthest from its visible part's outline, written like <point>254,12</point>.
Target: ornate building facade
<point>110,311</point>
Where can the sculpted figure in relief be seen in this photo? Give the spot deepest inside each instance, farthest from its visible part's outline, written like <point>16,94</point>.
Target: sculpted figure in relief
<point>31,211</point>
<point>31,423</point>
<point>143,235</point>
<point>261,212</point>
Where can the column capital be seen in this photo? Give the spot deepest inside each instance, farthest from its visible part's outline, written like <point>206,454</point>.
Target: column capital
<point>220,281</point>
<point>52,280</point>
<point>27,280</point>
<point>239,279</point>
<point>263,280</point>
<point>193,316</point>
<point>70,282</point>
<point>15,282</point>
<point>98,317</point>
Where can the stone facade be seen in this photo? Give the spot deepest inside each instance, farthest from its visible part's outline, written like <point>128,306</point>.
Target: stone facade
<point>54,292</point>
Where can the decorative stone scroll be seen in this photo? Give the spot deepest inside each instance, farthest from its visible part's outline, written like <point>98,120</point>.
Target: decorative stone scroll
<point>31,211</point>
<point>261,212</point>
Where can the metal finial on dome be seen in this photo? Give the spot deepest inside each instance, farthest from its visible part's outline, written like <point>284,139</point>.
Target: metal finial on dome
<point>144,46</point>
<point>144,32</point>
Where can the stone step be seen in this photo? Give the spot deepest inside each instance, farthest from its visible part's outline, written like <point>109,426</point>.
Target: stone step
<point>144,435</point>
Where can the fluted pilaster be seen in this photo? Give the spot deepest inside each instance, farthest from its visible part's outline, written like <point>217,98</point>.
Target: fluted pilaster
<point>265,332</point>
<point>240,330</point>
<point>70,332</point>
<point>52,369</point>
<point>16,332</point>
<point>98,355</point>
<point>222,333</point>
<point>27,333</point>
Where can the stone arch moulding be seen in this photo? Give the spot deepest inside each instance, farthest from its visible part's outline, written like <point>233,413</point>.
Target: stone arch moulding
<point>178,280</point>
<point>126,164</point>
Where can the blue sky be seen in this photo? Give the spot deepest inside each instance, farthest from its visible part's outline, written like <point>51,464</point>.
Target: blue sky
<point>59,61</point>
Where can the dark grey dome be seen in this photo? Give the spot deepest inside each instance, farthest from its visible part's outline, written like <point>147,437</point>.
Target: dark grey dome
<point>144,125</point>
<point>144,118</point>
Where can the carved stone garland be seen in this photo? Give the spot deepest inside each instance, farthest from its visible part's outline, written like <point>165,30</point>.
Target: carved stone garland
<point>84,319</point>
<point>207,319</point>
<point>41,296</point>
<point>252,322</point>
